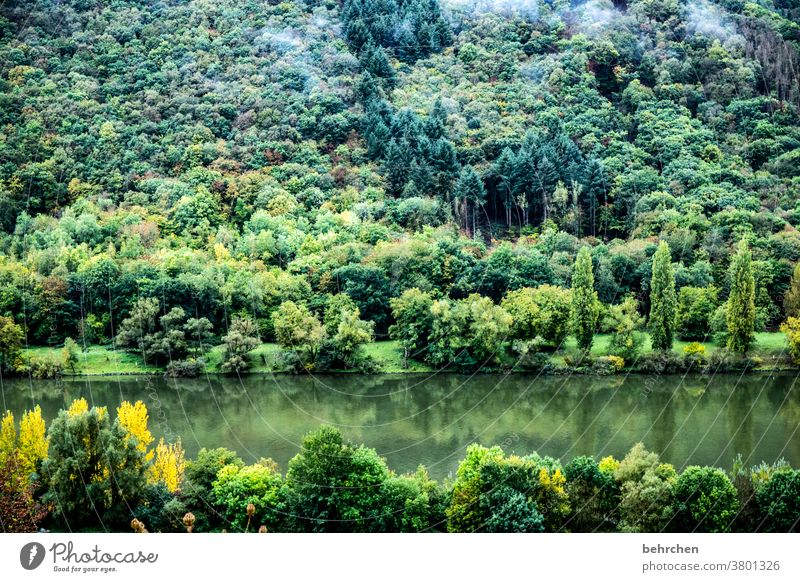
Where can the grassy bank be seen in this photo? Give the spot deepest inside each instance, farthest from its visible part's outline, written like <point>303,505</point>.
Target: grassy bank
<point>770,347</point>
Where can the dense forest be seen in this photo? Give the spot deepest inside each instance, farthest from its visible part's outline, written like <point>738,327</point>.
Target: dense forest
<point>175,174</point>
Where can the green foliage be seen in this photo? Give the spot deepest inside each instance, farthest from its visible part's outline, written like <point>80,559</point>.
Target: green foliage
<point>469,333</point>
<point>645,491</point>
<point>662,300</point>
<point>333,486</point>
<point>779,502</point>
<point>696,306</point>
<point>705,501</point>
<point>69,354</point>
<point>351,334</point>
<point>296,328</point>
<point>11,337</point>
<point>412,503</point>
<point>495,493</point>
<point>791,327</point>
<point>593,494</point>
<point>413,322</point>
<point>741,302</point>
<point>791,300</point>
<point>624,322</point>
<point>199,478</point>
<point>242,338</point>
<point>542,311</point>
<point>93,472</point>
<point>236,487</point>
<point>584,300</point>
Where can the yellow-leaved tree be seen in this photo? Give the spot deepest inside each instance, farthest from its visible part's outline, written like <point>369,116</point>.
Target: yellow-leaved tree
<point>8,435</point>
<point>32,441</point>
<point>133,418</point>
<point>78,407</point>
<point>168,465</point>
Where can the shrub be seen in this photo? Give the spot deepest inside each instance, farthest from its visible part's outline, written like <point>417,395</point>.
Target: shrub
<point>791,327</point>
<point>696,306</point>
<point>624,321</point>
<point>607,365</point>
<point>661,362</point>
<point>779,502</point>
<point>189,368</point>
<point>705,500</point>
<point>43,367</point>
<point>694,355</point>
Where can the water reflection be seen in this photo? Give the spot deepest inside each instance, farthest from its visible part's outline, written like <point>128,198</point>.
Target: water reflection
<point>417,419</point>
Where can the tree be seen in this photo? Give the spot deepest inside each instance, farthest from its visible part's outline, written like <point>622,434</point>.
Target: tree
<point>413,323</point>
<point>495,493</point>
<point>351,334</point>
<point>470,190</point>
<point>69,354</point>
<point>139,324</point>
<point>467,333</point>
<point>237,487</point>
<point>662,299</point>
<point>412,503</point>
<point>158,339</point>
<point>584,300</point>
<point>11,337</point>
<point>791,300</point>
<point>242,338</point>
<point>334,486</point>
<point>297,329</point>
<point>791,327</point>
<point>94,472</point>
<point>133,418</point>
<point>593,494</point>
<point>369,288</point>
<point>645,491</point>
<point>32,440</point>
<point>335,310</point>
<point>624,323</point>
<point>199,331</point>
<point>199,476</point>
<point>778,501</point>
<point>741,314</point>
<point>696,306</point>
<point>542,311</point>
<point>705,501</point>
<point>168,465</point>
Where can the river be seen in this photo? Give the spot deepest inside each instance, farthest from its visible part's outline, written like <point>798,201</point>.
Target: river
<point>430,419</point>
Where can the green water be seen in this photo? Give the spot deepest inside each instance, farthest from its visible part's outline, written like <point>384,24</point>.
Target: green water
<point>424,419</point>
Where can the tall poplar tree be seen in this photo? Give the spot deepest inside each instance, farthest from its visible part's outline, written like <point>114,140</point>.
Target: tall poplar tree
<point>663,301</point>
<point>742,300</point>
<point>584,300</point>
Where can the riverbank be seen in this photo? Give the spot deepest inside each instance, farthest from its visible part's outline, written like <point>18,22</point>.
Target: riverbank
<point>769,349</point>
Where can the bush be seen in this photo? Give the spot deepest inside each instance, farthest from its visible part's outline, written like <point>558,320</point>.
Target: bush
<point>724,360</point>
<point>190,368</point>
<point>662,363</point>
<point>43,367</point>
<point>779,502</point>
<point>607,365</point>
<point>694,355</point>
<point>791,327</point>
<point>705,501</point>
<point>696,306</point>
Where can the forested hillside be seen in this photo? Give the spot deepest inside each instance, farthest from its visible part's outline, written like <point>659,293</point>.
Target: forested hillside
<point>196,165</point>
